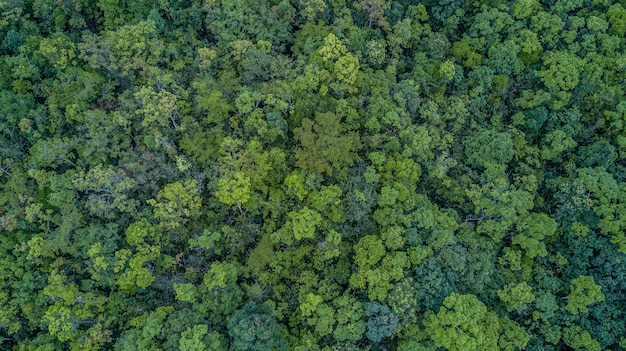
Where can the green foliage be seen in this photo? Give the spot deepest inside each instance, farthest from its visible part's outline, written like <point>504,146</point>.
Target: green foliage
<point>579,339</point>
<point>234,189</point>
<point>583,292</point>
<point>324,144</point>
<point>369,251</point>
<point>176,202</point>
<point>516,297</point>
<point>304,223</point>
<point>219,293</point>
<point>124,50</point>
<point>185,292</point>
<point>403,302</point>
<point>312,175</point>
<point>132,268</point>
<point>513,336</point>
<point>532,230</point>
<point>321,316</point>
<point>560,70</point>
<point>488,146</point>
<point>350,325</point>
<point>198,338</point>
<point>253,328</point>
<point>157,108</point>
<point>463,323</point>
<point>381,323</point>
<point>108,190</point>
<point>145,331</point>
<point>556,143</point>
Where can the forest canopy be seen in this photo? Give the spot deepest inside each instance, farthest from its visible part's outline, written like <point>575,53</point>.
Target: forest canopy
<point>312,175</point>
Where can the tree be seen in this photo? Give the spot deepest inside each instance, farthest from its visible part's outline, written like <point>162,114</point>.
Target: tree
<point>556,143</point>
<point>561,70</point>
<point>132,269</point>
<point>532,230</point>
<point>599,154</point>
<point>617,19</point>
<point>52,153</point>
<point>513,336</point>
<point>583,292</point>
<point>327,201</point>
<point>185,292</point>
<point>146,332</point>
<point>253,328</point>
<point>158,108</point>
<point>219,293</point>
<point>108,189</point>
<point>375,11</point>
<point>465,323</point>
<point>404,303</point>
<point>70,309</point>
<point>368,174</point>
<point>516,296</point>
<point>124,50</point>
<point>488,146</point>
<point>350,325</point>
<point>319,314</point>
<point>304,223</point>
<point>497,204</point>
<point>312,8</point>
<point>234,189</point>
<point>177,202</point>
<point>381,323</point>
<point>579,339</point>
<point>369,252</point>
<point>525,8</point>
<point>198,338</point>
<point>324,146</point>
<point>58,50</point>
<point>242,20</point>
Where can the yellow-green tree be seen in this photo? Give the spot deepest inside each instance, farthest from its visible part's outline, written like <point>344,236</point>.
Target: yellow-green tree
<point>176,203</point>
<point>583,292</point>
<point>464,323</point>
<point>234,189</point>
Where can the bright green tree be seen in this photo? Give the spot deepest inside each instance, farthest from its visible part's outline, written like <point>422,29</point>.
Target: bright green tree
<point>516,297</point>
<point>465,323</point>
<point>583,292</point>
<point>561,70</point>
<point>234,189</point>
<point>198,338</point>
<point>176,203</point>
<point>579,339</point>
<point>304,223</point>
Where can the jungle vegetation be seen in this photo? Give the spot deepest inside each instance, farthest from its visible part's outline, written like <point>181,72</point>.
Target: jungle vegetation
<point>312,175</point>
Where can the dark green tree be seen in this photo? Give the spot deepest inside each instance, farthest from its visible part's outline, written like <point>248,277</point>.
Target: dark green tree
<point>254,328</point>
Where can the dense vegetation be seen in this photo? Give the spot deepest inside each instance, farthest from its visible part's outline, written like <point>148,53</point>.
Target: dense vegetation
<point>313,175</point>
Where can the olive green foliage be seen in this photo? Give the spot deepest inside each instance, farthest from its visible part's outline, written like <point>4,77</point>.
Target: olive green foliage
<point>324,145</point>
<point>312,175</point>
